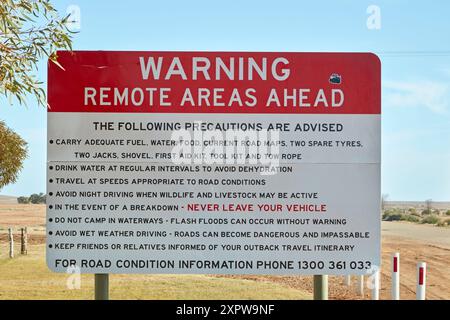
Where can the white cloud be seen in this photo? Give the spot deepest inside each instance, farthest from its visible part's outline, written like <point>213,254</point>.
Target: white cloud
<point>429,94</point>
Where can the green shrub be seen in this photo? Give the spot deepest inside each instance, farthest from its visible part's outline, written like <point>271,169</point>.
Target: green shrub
<point>34,199</point>
<point>444,223</point>
<point>432,219</point>
<point>447,213</point>
<point>426,211</point>
<point>410,218</point>
<point>393,217</point>
<point>23,200</point>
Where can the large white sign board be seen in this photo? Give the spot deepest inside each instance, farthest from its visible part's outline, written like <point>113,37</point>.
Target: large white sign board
<point>218,163</point>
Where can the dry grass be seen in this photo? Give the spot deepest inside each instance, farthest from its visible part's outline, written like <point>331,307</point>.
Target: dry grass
<point>27,277</point>
<point>30,215</point>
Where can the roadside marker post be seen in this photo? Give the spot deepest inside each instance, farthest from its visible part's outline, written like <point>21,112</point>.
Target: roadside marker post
<point>360,289</point>
<point>396,276</point>
<point>348,280</point>
<point>376,286</point>
<point>421,280</point>
<point>101,286</point>
<point>320,287</point>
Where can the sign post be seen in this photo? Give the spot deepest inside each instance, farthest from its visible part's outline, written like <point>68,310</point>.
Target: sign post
<point>320,287</point>
<point>101,286</point>
<point>214,163</point>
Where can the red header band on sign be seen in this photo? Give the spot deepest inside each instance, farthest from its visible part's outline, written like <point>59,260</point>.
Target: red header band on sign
<point>215,82</point>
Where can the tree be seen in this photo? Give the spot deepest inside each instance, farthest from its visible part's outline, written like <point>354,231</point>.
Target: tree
<point>13,150</point>
<point>29,31</point>
<point>37,198</point>
<point>23,200</point>
<point>34,199</point>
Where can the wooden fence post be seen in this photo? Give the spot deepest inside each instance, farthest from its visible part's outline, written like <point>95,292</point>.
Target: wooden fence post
<point>11,243</point>
<point>24,240</point>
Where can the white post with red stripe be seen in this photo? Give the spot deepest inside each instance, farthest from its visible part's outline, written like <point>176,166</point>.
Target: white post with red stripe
<point>421,280</point>
<point>396,276</point>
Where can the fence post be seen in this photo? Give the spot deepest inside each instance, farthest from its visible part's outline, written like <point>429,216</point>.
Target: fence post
<point>24,240</point>
<point>396,276</point>
<point>421,280</point>
<point>11,243</point>
<point>348,280</point>
<point>360,288</point>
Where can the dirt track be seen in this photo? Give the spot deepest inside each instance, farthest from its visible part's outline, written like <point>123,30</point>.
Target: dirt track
<point>418,243</point>
<point>414,242</point>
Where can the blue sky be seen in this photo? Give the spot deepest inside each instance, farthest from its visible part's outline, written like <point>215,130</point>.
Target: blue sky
<point>412,44</point>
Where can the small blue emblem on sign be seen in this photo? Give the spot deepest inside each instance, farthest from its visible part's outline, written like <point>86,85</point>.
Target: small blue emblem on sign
<point>335,78</point>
